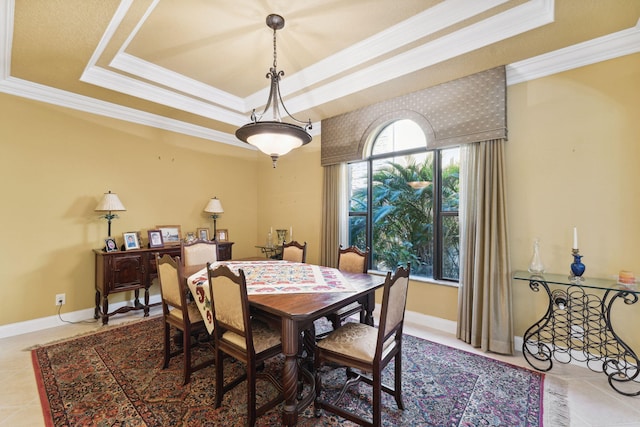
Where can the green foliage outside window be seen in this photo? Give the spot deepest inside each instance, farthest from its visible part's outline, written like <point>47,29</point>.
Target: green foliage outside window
<point>402,213</point>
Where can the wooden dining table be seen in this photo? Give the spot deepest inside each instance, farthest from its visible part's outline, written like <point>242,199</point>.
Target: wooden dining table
<point>296,312</point>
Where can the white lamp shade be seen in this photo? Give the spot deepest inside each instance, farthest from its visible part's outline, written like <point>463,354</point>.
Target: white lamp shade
<point>274,144</point>
<point>214,206</point>
<point>110,202</point>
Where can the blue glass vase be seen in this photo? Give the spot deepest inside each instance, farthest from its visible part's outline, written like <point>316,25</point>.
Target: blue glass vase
<point>577,267</point>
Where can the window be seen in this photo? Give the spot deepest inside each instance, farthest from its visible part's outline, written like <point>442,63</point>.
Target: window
<point>403,203</point>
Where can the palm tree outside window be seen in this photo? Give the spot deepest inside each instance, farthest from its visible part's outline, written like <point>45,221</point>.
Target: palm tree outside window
<point>403,203</point>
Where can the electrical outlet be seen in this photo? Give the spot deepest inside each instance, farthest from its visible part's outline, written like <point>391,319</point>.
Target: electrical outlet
<point>61,299</point>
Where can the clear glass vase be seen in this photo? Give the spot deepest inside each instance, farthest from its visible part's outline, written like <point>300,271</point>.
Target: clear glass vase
<point>536,266</point>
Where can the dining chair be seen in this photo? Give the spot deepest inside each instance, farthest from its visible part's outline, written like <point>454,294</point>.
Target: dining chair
<point>241,337</point>
<point>183,316</point>
<point>294,251</point>
<point>350,260</point>
<point>198,252</point>
<point>367,349</point>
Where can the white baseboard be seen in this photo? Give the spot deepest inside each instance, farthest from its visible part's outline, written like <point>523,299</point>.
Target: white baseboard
<point>34,325</point>
<point>413,319</point>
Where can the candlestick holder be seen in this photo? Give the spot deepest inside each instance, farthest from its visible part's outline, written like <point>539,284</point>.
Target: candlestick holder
<point>577,267</point>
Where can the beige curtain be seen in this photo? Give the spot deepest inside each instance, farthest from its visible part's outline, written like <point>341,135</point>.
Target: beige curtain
<point>484,298</point>
<point>332,214</point>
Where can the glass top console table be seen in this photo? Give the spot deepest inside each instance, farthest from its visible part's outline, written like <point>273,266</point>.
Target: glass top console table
<point>577,327</point>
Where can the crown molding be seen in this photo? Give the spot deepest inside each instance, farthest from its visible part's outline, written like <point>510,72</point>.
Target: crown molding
<point>7,8</point>
<point>535,12</point>
<point>38,92</point>
<point>110,80</point>
<point>621,43</point>
<point>179,82</point>
<point>430,21</point>
<point>514,21</point>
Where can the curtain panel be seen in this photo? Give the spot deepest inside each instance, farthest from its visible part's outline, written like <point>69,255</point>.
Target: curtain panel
<point>462,111</point>
<point>332,214</point>
<point>484,296</point>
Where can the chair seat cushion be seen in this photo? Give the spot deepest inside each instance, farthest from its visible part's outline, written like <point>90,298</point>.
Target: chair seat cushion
<point>263,337</point>
<point>356,340</point>
<point>192,309</point>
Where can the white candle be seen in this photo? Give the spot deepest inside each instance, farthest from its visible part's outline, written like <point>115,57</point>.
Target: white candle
<point>271,230</point>
<point>575,238</point>
<point>291,233</point>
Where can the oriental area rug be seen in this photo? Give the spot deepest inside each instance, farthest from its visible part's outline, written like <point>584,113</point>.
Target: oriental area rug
<point>114,378</point>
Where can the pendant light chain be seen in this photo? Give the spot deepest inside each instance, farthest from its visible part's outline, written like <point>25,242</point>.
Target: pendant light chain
<point>275,55</point>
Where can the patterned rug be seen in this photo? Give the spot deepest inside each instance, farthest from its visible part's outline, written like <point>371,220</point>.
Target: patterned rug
<point>114,378</point>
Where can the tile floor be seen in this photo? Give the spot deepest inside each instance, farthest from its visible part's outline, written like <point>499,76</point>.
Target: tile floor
<point>591,401</point>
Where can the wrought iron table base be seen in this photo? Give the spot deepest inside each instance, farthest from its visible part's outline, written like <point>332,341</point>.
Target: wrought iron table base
<point>577,327</point>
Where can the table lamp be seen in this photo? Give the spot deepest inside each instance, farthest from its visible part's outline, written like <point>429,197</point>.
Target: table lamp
<point>214,207</point>
<point>110,203</point>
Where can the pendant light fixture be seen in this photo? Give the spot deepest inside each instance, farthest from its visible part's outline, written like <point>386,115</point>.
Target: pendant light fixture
<point>274,137</point>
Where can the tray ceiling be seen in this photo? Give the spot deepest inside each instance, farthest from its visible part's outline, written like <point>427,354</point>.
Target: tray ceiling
<point>198,66</point>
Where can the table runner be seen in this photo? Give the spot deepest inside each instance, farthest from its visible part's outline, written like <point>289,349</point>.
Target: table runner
<point>282,277</point>
<point>269,277</point>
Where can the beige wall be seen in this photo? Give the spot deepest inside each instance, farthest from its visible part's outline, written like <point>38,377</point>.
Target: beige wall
<point>572,159</point>
<point>55,165</point>
<point>291,196</point>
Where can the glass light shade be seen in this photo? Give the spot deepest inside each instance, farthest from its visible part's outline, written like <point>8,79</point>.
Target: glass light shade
<point>274,144</point>
<point>273,138</point>
<point>214,206</point>
<point>109,203</point>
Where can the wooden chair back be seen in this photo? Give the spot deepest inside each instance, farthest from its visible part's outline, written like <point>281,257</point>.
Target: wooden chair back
<point>353,260</point>
<point>171,291</point>
<point>294,251</point>
<point>198,252</point>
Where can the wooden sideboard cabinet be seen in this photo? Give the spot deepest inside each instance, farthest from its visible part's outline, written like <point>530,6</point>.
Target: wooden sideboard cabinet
<point>123,271</point>
<point>133,270</point>
<point>224,251</point>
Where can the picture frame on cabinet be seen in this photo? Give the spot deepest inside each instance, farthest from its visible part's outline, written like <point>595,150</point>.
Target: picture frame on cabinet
<point>155,239</point>
<point>190,237</point>
<point>110,245</point>
<point>131,240</point>
<point>171,234</point>
<point>222,235</point>
<point>203,233</point>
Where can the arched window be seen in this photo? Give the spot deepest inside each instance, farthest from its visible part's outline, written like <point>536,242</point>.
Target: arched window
<point>403,203</point>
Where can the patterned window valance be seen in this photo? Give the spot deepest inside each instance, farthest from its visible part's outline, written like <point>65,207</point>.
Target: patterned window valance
<point>470,109</point>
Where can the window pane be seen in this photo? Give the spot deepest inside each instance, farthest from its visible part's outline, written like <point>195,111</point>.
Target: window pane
<point>451,247</point>
<point>402,214</point>
<point>398,136</point>
<point>358,187</point>
<point>358,231</point>
<point>450,179</point>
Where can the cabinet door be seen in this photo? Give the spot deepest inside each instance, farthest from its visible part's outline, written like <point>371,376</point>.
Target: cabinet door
<point>127,272</point>
<point>224,251</point>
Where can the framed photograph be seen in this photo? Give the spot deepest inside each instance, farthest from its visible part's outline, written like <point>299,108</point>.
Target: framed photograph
<point>155,239</point>
<point>110,245</point>
<point>222,235</point>
<point>131,241</point>
<point>203,233</point>
<point>190,237</point>
<point>171,234</point>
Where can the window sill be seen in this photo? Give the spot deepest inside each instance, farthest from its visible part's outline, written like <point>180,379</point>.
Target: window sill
<point>421,279</point>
